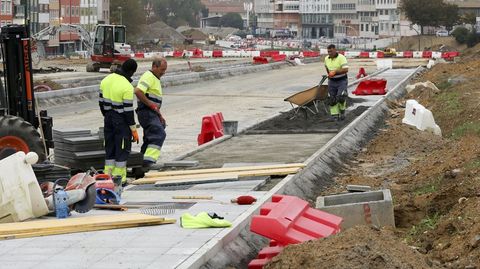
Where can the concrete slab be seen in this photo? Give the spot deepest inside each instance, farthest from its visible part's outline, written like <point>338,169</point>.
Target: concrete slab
<point>285,148</point>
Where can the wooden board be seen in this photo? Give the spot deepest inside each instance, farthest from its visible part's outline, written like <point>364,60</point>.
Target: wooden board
<point>222,170</point>
<point>79,224</point>
<point>214,176</point>
<point>192,179</point>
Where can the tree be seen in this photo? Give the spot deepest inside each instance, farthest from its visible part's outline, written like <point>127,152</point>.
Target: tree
<point>430,13</point>
<point>178,12</point>
<point>468,18</point>
<point>461,34</point>
<point>127,12</point>
<point>232,20</point>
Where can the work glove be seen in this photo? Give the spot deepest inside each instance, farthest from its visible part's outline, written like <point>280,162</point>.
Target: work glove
<point>331,74</point>
<point>135,137</point>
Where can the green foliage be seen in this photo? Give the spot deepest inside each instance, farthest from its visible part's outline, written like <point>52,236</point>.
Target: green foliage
<point>461,34</point>
<point>131,14</point>
<point>450,101</point>
<point>427,224</point>
<point>466,128</point>
<point>179,12</point>
<point>468,18</point>
<point>232,20</point>
<point>472,39</point>
<point>430,13</point>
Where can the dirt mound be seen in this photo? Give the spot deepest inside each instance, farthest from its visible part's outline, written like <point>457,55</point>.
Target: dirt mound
<point>359,247</point>
<point>428,43</point>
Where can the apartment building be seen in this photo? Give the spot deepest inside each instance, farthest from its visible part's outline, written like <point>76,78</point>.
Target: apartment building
<point>103,11</point>
<point>6,12</point>
<point>336,18</point>
<point>89,14</point>
<point>316,18</point>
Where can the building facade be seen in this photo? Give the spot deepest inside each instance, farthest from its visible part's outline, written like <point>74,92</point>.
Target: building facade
<point>6,12</point>
<point>103,11</point>
<point>335,18</point>
<point>316,18</point>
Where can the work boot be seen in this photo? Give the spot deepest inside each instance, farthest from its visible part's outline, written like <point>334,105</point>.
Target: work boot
<point>335,118</point>
<point>342,115</point>
<point>147,166</point>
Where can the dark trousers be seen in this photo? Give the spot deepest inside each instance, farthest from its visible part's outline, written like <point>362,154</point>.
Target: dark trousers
<point>117,144</point>
<point>337,91</point>
<point>153,134</point>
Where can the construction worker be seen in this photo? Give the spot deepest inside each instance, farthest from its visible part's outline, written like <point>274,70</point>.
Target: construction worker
<point>116,105</point>
<point>149,95</point>
<point>337,69</point>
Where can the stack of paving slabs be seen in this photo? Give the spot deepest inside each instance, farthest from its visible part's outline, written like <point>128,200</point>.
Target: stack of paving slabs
<point>79,149</point>
<point>50,172</point>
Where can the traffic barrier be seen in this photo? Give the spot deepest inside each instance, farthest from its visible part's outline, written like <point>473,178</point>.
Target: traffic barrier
<point>218,117</point>
<point>217,53</point>
<point>177,54</point>
<point>264,256</point>
<point>139,55</point>
<point>408,54</point>
<point>436,55</point>
<point>210,129</point>
<point>380,54</point>
<point>290,220</point>
<point>279,58</point>
<point>417,54</point>
<point>364,54</point>
<point>168,54</point>
<point>427,54</point>
<point>255,53</point>
<point>197,53</point>
<point>361,73</point>
<point>371,87</point>
<point>372,54</point>
<point>207,53</point>
<point>399,54</point>
<point>260,60</point>
<point>420,117</point>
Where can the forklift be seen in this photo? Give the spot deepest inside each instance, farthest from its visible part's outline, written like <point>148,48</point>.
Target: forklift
<point>22,127</point>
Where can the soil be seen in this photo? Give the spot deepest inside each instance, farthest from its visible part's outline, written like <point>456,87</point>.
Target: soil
<point>434,181</point>
<point>359,247</point>
<point>428,43</point>
<point>305,121</point>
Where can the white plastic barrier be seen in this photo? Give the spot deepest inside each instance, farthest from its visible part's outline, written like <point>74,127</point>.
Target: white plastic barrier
<point>228,53</point>
<point>400,54</point>
<point>373,54</point>
<point>417,54</point>
<point>245,53</point>
<point>148,55</point>
<point>420,117</point>
<point>352,54</point>
<point>20,194</point>
<point>384,63</point>
<point>323,51</point>
<point>255,53</point>
<point>436,55</point>
<point>188,53</point>
<point>237,54</point>
<point>207,53</point>
<point>168,54</point>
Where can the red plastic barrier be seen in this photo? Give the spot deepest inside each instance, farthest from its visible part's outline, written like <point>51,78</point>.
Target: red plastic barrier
<point>279,58</point>
<point>260,60</point>
<point>361,73</point>
<point>380,54</point>
<point>264,256</point>
<point>178,53</point>
<point>218,117</point>
<point>197,53</point>
<point>364,54</point>
<point>139,55</point>
<point>427,54</point>
<point>217,53</point>
<point>290,220</point>
<point>408,54</point>
<point>210,129</point>
<point>371,87</point>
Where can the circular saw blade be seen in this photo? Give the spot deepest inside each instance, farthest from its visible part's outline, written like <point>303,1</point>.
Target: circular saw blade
<point>88,202</point>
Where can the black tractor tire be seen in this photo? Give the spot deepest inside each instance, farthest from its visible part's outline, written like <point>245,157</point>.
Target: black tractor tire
<point>23,130</point>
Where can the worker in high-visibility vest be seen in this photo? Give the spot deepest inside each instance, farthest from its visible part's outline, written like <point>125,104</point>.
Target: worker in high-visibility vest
<point>149,95</point>
<point>116,105</point>
<point>337,69</point>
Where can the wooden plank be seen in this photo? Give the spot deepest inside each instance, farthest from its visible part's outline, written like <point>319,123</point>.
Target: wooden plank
<point>79,224</point>
<point>222,170</point>
<point>201,197</point>
<point>85,229</point>
<point>203,178</point>
<point>251,173</point>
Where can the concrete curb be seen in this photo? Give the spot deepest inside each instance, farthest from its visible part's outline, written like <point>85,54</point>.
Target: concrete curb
<point>237,245</point>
